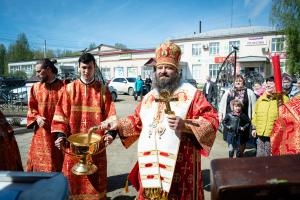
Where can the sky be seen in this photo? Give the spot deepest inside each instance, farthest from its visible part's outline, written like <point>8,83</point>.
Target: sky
<point>138,24</point>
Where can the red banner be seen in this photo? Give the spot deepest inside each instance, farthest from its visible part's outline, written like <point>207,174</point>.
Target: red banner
<point>277,73</point>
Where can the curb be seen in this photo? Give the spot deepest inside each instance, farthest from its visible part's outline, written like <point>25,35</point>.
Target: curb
<point>21,130</point>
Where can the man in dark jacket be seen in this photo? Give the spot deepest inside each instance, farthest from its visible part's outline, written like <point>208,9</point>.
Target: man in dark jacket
<point>209,90</point>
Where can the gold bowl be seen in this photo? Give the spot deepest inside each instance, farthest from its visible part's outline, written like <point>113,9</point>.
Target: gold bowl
<point>82,147</point>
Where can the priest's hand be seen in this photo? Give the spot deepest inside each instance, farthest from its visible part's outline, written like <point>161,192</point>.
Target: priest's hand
<point>176,123</point>
<point>112,125</point>
<point>59,143</point>
<point>41,121</point>
<point>108,139</point>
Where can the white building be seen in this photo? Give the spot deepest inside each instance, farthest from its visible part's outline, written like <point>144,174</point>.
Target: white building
<point>205,52</point>
<point>113,62</point>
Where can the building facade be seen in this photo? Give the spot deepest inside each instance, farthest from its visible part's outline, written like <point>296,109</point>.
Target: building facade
<point>205,52</point>
<point>112,61</point>
<point>202,55</point>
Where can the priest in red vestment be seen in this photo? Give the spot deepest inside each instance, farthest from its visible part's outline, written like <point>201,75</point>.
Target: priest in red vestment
<point>285,137</point>
<point>43,156</point>
<point>175,125</point>
<point>85,103</point>
<point>10,159</point>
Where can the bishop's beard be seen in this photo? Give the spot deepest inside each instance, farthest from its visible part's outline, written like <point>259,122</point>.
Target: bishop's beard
<point>169,83</point>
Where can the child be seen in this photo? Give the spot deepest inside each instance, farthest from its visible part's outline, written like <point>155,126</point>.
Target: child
<point>237,125</point>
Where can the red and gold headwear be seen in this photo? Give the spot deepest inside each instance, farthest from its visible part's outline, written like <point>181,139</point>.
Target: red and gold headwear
<point>168,53</point>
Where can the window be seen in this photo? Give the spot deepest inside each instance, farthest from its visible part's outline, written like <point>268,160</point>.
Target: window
<point>121,80</point>
<point>196,71</point>
<point>196,49</point>
<point>277,44</point>
<point>213,70</point>
<point>106,73</point>
<point>119,72</point>
<point>214,48</point>
<point>181,48</point>
<point>147,71</point>
<point>131,71</point>
<point>235,44</point>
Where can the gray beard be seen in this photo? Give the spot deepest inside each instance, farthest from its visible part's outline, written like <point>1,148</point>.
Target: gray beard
<point>170,84</point>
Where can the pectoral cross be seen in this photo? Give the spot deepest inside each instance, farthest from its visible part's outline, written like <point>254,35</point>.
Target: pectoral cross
<point>166,98</point>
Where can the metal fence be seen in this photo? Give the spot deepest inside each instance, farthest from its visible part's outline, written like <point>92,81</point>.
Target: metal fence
<point>13,97</point>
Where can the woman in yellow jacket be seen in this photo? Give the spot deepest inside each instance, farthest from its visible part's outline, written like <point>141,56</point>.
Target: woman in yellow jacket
<point>264,116</point>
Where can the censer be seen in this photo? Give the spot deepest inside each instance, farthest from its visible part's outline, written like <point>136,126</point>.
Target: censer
<point>83,146</point>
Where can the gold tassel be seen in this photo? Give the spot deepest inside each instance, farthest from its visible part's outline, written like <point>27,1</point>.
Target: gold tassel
<point>126,186</point>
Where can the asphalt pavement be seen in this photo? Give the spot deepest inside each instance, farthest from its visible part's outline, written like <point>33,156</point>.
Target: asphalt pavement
<point>121,160</point>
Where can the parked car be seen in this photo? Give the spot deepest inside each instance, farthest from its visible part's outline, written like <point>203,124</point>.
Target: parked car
<point>123,84</point>
<point>113,92</point>
<point>19,96</point>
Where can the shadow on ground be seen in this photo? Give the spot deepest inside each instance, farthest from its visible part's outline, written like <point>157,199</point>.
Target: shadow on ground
<point>206,179</point>
<point>117,182</point>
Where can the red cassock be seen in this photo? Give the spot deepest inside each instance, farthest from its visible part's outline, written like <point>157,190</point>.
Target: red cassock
<point>43,156</point>
<point>285,137</point>
<point>79,109</point>
<point>187,179</point>
<point>10,158</point>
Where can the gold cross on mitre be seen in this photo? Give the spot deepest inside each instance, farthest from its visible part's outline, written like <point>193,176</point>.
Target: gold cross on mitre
<point>165,97</point>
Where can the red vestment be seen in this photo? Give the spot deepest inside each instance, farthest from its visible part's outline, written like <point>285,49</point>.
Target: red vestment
<point>10,158</point>
<point>43,156</point>
<point>285,137</point>
<point>187,179</point>
<point>79,109</point>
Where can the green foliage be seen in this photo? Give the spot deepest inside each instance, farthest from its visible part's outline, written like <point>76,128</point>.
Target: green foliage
<point>15,121</point>
<point>120,46</point>
<point>92,45</point>
<point>3,63</point>
<point>19,74</point>
<point>20,50</point>
<point>286,16</point>
<point>39,54</point>
<point>67,53</point>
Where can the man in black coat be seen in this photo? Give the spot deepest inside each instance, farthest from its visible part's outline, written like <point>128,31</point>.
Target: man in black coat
<point>209,90</point>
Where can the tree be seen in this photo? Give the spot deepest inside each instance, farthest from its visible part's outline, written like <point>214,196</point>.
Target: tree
<point>39,54</point>
<point>19,74</point>
<point>286,16</point>
<point>120,46</point>
<point>92,45</point>
<point>3,63</point>
<point>20,50</point>
<point>68,53</point>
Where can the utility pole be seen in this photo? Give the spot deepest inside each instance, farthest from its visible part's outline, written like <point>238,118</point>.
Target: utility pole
<point>200,27</point>
<point>45,49</point>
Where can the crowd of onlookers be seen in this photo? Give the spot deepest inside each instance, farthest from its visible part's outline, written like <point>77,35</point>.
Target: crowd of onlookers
<point>248,116</point>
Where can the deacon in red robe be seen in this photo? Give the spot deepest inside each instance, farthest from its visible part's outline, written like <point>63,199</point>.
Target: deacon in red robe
<point>84,104</point>
<point>175,125</point>
<point>10,159</point>
<point>43,156</point>
<point>285,137</point>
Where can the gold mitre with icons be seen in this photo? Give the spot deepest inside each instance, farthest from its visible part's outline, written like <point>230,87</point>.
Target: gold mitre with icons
<point>168,53</point>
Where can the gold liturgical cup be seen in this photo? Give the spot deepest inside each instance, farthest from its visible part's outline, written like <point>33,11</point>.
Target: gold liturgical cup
<point>82,146</point>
